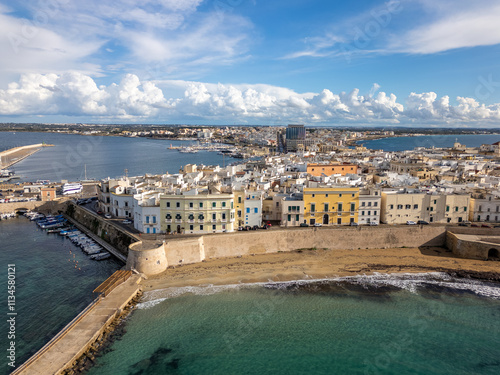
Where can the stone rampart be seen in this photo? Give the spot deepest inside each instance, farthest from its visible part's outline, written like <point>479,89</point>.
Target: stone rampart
<point>197,249</point>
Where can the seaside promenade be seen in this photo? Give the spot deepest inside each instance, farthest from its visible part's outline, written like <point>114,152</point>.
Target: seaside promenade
<point>74,340</point>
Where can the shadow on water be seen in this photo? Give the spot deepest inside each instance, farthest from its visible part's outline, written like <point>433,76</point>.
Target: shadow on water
<point>161,362</point>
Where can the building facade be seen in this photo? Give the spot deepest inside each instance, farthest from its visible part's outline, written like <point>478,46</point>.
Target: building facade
<point>330,169</point>
<point>197,213</point>
<point>331,205</point>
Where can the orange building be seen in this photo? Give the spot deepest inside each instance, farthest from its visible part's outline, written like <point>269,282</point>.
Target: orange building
<point>329,169</point>
<point>48,193</point>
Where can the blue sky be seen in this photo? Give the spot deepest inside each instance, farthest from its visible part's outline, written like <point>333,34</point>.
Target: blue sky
<point>397,62</point>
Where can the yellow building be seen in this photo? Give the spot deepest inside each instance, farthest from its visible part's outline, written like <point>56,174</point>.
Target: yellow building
<point>197,213</point>
<point>331,205</point>
<point>239,206</point>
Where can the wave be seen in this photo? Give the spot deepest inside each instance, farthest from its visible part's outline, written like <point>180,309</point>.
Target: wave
<point>403,281</point>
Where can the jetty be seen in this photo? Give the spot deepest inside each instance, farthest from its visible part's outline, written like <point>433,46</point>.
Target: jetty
<point>79,335</point>
<point>17,154</point>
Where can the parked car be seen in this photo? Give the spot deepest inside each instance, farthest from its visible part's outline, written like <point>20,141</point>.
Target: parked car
<point>422,222</point>
<point>474,225</point>
<point>485,226</point>
<point>410,222</point>
<point>373,223</point>
<point>264,226</point>
<point>463,224</point>
<point>108,216</point>
<point>304,224</point>
<point>126,222</point>
<point>255,227</point>
<point>99,212</point>
<point>247,227</point>
<point>318,224</point>
<point>240,229</point>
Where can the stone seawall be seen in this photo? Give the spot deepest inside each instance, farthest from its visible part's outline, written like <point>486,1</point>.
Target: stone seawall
<point>195,250</point>
<point>112,234</point>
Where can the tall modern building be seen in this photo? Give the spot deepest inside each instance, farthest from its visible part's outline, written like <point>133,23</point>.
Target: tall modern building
<point>295,135</point>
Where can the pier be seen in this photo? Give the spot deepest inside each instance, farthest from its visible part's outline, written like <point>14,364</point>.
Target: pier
<point>14,155</point>
<point>68,345</point>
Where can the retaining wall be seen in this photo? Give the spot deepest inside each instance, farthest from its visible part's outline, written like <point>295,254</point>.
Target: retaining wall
<point>272,241</point>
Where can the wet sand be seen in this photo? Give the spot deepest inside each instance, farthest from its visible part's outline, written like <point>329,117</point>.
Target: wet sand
<point>319,264</point>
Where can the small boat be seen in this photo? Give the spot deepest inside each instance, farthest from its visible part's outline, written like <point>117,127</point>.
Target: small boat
<point>100,256</point>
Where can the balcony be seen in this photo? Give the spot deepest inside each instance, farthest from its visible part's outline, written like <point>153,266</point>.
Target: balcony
<point>168,221</point>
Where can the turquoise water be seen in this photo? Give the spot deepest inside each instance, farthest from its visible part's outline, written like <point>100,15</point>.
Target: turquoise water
<point>409,143</point>
<point>54,282</point>
<point>401,324</point>
<point>103,156</point>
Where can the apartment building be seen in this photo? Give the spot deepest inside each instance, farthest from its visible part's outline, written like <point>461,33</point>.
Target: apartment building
<point>197,213</point>
<point>369,206</point>
<point>331,205</point>
<point>319,170</point>
<point>485,207</point>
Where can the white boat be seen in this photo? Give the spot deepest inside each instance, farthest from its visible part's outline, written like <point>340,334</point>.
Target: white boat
<point>72,189</point>
<point>100,256</point>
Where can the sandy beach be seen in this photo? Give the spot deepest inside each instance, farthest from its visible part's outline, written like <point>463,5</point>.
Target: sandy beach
<point>319,264</point>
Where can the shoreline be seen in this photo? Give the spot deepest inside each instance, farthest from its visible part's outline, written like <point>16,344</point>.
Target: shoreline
<point>320,264</point>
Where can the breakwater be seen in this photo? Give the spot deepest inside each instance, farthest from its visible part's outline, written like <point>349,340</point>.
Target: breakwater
<point>14,155</point>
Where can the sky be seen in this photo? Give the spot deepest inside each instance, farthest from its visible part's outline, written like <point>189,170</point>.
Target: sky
<point>413,63</point>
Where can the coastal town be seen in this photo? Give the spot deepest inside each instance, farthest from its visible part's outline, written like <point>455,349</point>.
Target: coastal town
<point>292,177</point>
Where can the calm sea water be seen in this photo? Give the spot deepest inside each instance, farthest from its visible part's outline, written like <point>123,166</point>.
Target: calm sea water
<point>103,156</point>
<point>409,143</point>
<point>54,282</point>
<point>399,324</point>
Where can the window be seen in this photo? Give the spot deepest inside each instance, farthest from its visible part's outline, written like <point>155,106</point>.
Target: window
<point>239,199</point>
<point>147,219</point>
<point>355,194</point>
<point>168,217</point>
<point>415,206</point>
<point>191,205</point>
<point>432,208</point>
<point>201,204</point>
<point>391,206</point>
<point>313,195</point>
<point>214,227</point>
<point>339,221</point>
<point>435,201</point>
<point>154,219</point>
<point>369,213</point>
<point>326,195</point>
<point>289,208</point>
<point>223,216</point>
<point>447,208</point>
<point>369,204</point>
<point>400,206</point>
<point>363,213</point>
<point>313,207</point>
<point>239,213</point>
<point>375,204</point>
<point>126,204</point>
<point>408,206</point>
<point>214,204</point>
<point>191,227</point>
<point>362,204</point>
<point>456,209</point>
<point>255,210</point>
<point>340,207</point>
<point>223,204</point>
<point>340,195</point>
<point>326,207</point>
<point>289,217</point>
<point>178,217</point>
<point>232,204</point>
<point>201,227</point>
<point>296,217</point>
<point>465,209</point>
<point>214,216</point>
<point>353,206</point>
<point>480,208</point>
<point>168,204</point>
<point>177,204</point>
<point>248,210</point>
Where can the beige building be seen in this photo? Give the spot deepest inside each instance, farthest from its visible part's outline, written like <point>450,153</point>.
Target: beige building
<point>398,208</point>
<point>197,213</point>
<point>485,207</point>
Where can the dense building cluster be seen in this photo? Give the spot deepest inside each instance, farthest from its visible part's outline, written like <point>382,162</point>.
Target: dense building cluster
<point>346,186</point>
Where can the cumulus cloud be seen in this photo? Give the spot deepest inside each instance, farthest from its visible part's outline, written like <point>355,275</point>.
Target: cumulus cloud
<point>77,94</point>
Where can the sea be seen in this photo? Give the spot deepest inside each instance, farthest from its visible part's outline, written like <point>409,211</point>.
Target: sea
<point>75,156</point>
<point>428,323</point>
<point>382,324</point>
<point>428,141</point>
<point>54,281</point>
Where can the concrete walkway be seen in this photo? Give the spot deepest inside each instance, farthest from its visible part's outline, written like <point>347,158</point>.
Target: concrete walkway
<point>97,239</point>
<point>69,346</point>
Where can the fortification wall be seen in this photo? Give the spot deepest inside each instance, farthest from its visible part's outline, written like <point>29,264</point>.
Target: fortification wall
<point>12,207</point>
<point>468,246</point>
<point>149,261</point>
<point>197,249</point>
<point>106,230</point>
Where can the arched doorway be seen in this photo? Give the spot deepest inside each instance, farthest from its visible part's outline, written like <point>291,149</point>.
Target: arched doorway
<point>493,254</point>
<point>325,218</point>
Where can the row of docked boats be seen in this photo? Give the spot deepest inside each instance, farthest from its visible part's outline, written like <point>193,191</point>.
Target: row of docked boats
<point>58,224</point>
<point>7,215</point>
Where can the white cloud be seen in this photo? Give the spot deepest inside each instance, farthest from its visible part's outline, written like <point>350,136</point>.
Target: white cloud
<point>76,94</point>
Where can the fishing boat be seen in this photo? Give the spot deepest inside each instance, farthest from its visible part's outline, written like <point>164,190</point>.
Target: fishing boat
<point>100,256</point>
